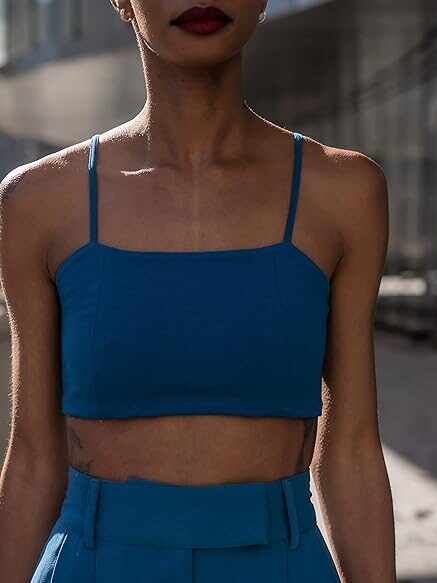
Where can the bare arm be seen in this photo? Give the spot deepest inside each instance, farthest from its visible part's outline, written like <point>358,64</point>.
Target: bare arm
<point>34,474</point>
<point>348,466</point>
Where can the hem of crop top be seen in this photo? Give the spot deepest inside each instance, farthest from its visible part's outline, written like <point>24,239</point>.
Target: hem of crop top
<point>207,252</point>
<point>158,409</point>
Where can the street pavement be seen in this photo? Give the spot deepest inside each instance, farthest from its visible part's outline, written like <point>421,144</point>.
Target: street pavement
<point>407,384</point>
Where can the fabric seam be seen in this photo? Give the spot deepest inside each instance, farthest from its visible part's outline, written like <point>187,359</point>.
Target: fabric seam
<point>281,302</point>
<point>93,332</point>
<point>284,311</point>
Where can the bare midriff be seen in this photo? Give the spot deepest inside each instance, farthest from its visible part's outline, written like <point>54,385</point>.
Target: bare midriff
<point>192,449</point>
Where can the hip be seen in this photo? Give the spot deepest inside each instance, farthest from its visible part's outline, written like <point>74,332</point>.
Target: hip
<point>159,532</point>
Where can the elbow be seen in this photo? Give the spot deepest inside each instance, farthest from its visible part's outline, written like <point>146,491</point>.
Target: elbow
<point>351,453</point>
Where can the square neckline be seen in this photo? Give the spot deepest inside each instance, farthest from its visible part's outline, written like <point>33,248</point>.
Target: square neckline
<point>286,242</point>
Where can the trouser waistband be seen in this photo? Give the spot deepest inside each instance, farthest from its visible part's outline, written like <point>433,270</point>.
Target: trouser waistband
<point>188,516</point>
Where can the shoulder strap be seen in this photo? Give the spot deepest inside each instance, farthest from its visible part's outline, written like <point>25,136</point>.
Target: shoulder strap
<point>92,180</point>
<point>297,169</point>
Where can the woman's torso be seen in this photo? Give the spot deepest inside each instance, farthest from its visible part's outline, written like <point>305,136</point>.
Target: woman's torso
<point>244,205</point>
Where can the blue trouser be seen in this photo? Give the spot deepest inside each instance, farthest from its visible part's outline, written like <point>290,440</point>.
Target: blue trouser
<point>144,531</point>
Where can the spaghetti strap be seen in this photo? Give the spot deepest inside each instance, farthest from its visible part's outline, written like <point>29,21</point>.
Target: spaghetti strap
<point>92,180</point>
<point>297,169</point>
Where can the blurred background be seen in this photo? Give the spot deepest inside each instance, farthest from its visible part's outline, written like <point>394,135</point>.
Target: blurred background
<point>356,74</point>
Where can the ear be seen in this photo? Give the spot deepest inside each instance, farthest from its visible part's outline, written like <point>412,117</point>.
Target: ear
<point>118,5</point>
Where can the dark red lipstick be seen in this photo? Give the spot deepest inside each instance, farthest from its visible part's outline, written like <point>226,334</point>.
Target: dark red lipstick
<point>202,20</point>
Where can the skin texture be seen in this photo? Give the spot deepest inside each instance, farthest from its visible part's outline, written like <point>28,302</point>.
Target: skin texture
<point>194,130</point>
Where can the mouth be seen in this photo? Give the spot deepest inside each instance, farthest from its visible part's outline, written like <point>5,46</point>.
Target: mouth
<point>202,20</point>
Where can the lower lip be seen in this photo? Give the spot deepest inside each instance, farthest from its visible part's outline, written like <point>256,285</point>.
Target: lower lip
<point>202,26</point>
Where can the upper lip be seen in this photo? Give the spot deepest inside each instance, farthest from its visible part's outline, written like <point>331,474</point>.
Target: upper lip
<point>201,13</point>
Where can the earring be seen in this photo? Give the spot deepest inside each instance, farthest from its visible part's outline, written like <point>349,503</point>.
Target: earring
<point>124,15</point>
<point>262,16</point>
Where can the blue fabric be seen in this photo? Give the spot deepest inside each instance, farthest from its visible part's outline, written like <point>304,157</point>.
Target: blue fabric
<point>236,331</point>
<point>143,530</point>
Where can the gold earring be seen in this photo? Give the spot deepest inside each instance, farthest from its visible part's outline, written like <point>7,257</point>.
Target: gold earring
<point>262,16</point>
<point>124,15</point>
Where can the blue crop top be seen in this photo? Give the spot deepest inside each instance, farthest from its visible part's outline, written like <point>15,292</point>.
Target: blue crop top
<point>231,331</point>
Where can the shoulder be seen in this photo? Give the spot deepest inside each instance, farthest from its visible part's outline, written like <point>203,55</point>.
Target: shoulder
<point>355,184</point>
<point>32,194</point>
<point>32,181</point>
<point>348,170</point>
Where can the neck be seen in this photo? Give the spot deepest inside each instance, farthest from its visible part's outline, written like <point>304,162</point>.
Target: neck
<point>196,114</point>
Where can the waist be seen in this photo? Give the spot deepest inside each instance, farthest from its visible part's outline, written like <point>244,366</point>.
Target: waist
<point>147,512</point>
<point>193,449</point>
